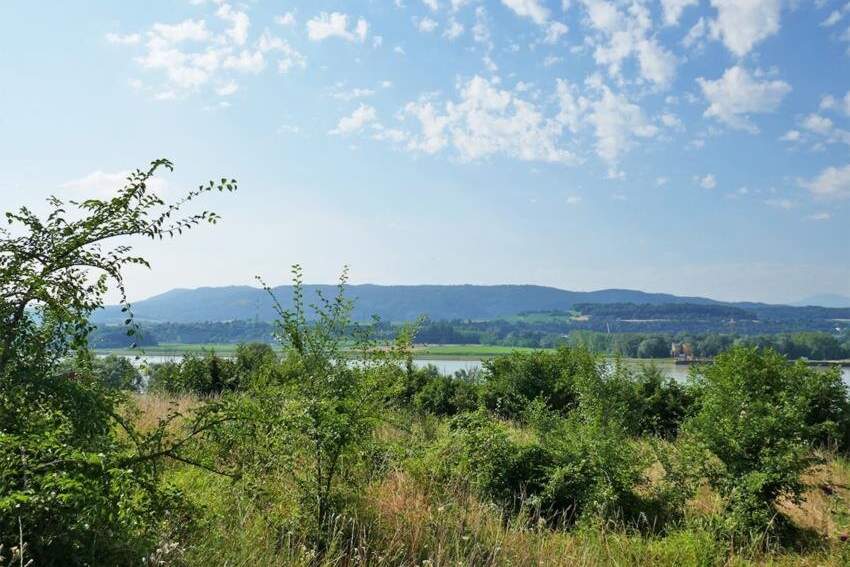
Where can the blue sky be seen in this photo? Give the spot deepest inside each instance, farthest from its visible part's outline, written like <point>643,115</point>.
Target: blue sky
<point>688,146</point>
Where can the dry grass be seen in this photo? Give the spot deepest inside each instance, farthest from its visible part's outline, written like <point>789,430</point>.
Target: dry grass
<point>150,409</point>
<point>825,509</point>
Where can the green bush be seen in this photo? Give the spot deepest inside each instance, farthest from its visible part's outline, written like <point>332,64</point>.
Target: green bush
<point>78,483</point>
<point>513,380</point>
<point>753,421</point>
<point>657,404</point>
<point>446,395</point>
<point>204,375</point>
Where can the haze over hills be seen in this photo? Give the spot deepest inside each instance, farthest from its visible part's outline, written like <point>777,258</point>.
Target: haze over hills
<point>404,303</point>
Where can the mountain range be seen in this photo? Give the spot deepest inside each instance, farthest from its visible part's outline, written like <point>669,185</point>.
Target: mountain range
<point>405,303</point>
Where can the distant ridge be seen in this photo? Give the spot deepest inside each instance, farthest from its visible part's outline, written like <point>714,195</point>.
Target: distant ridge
<point>390,302</point>
<point>824,300</point>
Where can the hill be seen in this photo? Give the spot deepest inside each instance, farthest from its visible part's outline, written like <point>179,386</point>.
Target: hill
<point>391,303</point>
<point>825,300</point>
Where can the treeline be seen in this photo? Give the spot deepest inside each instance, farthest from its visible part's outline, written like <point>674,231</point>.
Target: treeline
<point>808,345</point>
<point>675,311</point>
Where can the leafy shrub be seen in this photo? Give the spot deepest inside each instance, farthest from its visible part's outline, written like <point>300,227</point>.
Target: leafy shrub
<point>753,418</point>
<point>78,483</point>
<point>446,395</point>
<point>513,380</point>
<point>204,375</point>
<point>573,466</point>
<point>658,404</point>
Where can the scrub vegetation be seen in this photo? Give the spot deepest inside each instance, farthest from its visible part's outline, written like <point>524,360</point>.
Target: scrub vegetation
<point>300,456</point>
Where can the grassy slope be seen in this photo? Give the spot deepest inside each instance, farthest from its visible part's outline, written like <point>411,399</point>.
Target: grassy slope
<point>402,519</point>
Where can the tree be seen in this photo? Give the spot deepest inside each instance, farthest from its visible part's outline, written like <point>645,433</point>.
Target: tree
<point>336,384</point>
<point>79,492</point>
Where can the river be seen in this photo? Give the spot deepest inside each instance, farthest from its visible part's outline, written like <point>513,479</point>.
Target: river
<point>450,366</point>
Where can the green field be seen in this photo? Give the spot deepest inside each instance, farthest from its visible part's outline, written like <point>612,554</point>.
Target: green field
<point>424,352</point>
<point>420,351</point>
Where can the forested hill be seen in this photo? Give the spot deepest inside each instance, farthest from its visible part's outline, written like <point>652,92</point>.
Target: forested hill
<point>391,303</point>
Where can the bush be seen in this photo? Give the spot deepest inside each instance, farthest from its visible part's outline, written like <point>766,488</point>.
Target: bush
<point>446,395</point>
<point>69,481</point>
<point>658,404</point>
<point>513,380</point>
<point>204,375</point>
<point>753,421</point>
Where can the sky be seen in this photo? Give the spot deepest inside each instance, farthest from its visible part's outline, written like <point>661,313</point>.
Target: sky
<point>696,147</point>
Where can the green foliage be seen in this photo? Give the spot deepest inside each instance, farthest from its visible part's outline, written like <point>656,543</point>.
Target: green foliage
<point>76,478</point>
<point>117,372</point>
<point>576,466</point>
<point>657,404</point>
<point>754,408</point>
<point>204,375</point>
<point>514,380</point>
<point>314,423</point>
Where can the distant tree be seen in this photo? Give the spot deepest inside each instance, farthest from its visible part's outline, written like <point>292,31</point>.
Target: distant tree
<point>653,347</point>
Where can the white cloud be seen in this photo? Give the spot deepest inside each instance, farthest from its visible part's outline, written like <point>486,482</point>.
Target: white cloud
<point>103,185</point>
<point>836,16</point>
<point>828,102</point>
<point>737,94</point>
<point>454,30</point>
<point>287,19</point>
<point>352,94</point>
<point>786,204</point>
<point>335,24</point>
<point>487,121</point>
<point>817,124</point>
<point>672,121</point>
<point>661,181</point>
<point>629,34</point>
<point>239,23</point>
<point>617,122</point>
<point>187,30</point>
<point>363,115</point>
<point>741,24</point>
<point>227,89</point>
<point>707,181</point>
<point>481,29</point>
<point>191,56</point>
<point>573,200</point>
<point>129,39</point>
<point>432,4</point>
<point>246,61</point>
<point>533,9</point>
<point>673,10</point>
<point>821,216</point>
<point>426,25</point>
<point>554,31</point>
<point>832,183</point>
<point>790,136</point>
<point>695,34</point>
<point>289,56</point>
<point>550,60</point>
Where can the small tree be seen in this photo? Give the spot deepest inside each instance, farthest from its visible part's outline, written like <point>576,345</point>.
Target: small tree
<point>752,419</point>
<point>336,387</point>
<point>76,490</point>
